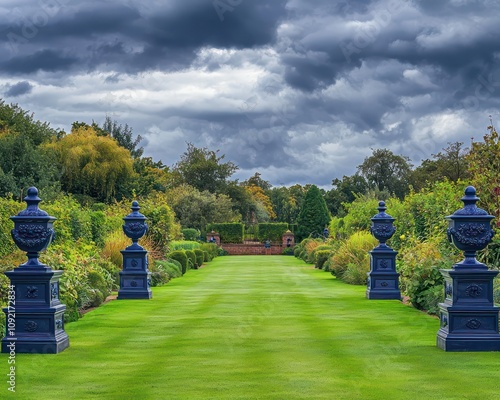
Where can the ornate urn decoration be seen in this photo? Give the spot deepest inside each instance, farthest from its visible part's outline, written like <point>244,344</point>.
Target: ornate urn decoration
<point>383,280</point>
<point>382,225</point>
<point>33,229</point>
<point>470,230</point>
<point>135,226</point>
<point>135,278</point>
<point>468,314</point>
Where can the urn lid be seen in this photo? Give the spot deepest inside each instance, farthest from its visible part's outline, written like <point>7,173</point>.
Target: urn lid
<point>381,213</point>
<point>135,214</point>
<point>470,209</point>
<point>32,209</point>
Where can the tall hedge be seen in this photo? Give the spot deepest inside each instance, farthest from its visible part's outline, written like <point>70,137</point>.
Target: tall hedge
<point>229,232</point>
<point>272,231</point>
<point>314,215</point>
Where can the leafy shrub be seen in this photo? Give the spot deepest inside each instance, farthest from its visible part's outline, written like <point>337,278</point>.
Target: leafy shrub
<point>190,234</point>
<point>222,252</point>
<point>229,232</point>
<point>181,257</point>
<point>314,252</point>
<point>271,231</point>
<point>419,274</point>
<point>352,255</point>
<point>288,251</point>
<point>321,256</point>
<point>206,256</point>
<point>98,227</point>
<point>211,248</point>
<point>191,259</point>
<point>183,245</point>
<point>163,271</point>
<point>296,251</point>
<point>199,257</point>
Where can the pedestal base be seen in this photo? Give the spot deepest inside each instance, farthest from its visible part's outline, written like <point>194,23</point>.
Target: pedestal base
<point>35,322</point>
<point>383,280</point>
<point>468,316</point>
<point>135,278</point>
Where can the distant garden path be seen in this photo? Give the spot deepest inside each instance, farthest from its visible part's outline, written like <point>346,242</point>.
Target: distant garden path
<point>255,327</point>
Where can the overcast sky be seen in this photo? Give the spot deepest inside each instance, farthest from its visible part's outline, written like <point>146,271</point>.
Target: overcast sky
<point>298,90</point>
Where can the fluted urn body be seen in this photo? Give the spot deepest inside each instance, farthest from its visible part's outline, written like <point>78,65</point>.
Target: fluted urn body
<point>469,229</point>
<point>135,226</point>
<point>33,229</point>
<point>382,225</point>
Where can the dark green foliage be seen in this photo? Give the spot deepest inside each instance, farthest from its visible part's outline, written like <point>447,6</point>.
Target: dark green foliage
<point>124,136</point>
<point>296,250</point>
<point>206,256</point>
<point>199,257</point>
<point>271,231</point>
<point>190,234</point>
<point>321,256</point>
<point>163,271</point>
<point>384,170</point>
<point>211,249</point>
<point>203,169</point>
<point>81,227</point>
<point>314,215</point>
<point>191,259</point>
<point>288,251</point>
<point>181,257</point>
<point>98,224</point>
<point>345,191</point>
<point>229,232</point>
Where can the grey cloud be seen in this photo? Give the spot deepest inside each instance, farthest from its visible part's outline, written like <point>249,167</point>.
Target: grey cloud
<point>18,89</point>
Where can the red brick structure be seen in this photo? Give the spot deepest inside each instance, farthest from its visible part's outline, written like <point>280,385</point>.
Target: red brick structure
<point>234,249</point>
<point>257,248</point>
<point>211,236</point>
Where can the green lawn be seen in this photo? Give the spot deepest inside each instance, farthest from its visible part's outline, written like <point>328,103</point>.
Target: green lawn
<point>255,327</point>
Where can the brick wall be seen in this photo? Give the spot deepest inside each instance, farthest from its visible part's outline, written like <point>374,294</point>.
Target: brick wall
<point>251,249</point>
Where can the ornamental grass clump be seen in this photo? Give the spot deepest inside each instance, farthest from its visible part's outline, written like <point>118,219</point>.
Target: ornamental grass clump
<point>351,262</point>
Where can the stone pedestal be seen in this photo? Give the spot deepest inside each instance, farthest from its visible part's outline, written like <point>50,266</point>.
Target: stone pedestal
<point>135,278</point>
<point>34,315</point>
<point>468,316</point>
<point>38,313</point>
<point>383,280</point>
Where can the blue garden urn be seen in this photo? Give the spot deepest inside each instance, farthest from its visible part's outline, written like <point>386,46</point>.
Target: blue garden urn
<point>135,226</point>
<point>470,230</point>
<point>33,229</point>
<point>382,225</point>
<point>35,316</point>
<point>468,315</point>
<point>135,278</point>
<point>383,280</point>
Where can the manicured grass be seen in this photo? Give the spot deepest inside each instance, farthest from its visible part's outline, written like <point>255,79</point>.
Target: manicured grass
<point>255,327</point>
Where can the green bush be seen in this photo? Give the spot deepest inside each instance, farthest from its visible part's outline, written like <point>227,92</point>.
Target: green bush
<point>190,234</point>
<point>181,257</point>
<point>351,261</point>
<point>211,248</point>
<point>288,251</point>
<point>321,256</point>
<point>229,232</point>
<point>271,231</point>
<point>163,271</point>
<point>296,251</point>
<point>183,245</point>
<point>206,256</point>
<point>419,274</point>
<point>191,259</point>
<point>199,257</point>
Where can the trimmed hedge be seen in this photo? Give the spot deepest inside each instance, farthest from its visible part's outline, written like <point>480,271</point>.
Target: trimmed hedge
<point>272,231</point>
<point>192,259</point>
<point>211,249</point>
<point>190,234</point>
<point>229,232</point>
<point>181,257</point>
<point>199,257</point>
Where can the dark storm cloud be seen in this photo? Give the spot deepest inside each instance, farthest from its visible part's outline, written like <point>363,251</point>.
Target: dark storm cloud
<point>134,37</point>
<point>18,89</point>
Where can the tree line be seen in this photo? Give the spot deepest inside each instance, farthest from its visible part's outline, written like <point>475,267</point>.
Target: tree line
<point>106,163</point>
